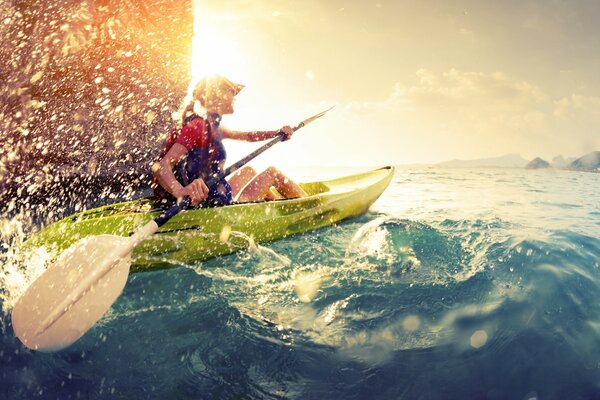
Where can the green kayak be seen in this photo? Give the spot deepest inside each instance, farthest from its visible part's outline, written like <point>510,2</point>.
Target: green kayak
<point>195,235</point>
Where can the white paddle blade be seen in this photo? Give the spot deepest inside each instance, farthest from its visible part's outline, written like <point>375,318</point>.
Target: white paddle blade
<point>71,296</point>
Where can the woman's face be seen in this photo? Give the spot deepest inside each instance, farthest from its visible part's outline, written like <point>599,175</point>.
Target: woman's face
<point>221,102</point>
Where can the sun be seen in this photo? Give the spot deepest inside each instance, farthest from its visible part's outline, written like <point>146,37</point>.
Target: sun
<point>214,51</point>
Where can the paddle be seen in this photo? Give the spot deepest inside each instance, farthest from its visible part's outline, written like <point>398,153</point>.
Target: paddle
<point>83,283</point>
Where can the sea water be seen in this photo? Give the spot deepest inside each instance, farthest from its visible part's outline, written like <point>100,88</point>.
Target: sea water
<point>457,284</point>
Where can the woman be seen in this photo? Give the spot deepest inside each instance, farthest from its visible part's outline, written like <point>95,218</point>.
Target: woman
<point>194,152</point>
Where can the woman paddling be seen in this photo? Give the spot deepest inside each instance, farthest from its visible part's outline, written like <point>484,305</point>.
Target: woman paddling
<point>194,152</point>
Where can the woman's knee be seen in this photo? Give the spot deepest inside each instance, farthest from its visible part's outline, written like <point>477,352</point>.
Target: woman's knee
<point>246,171</point>
<point>272,171</point>
<point>241,178</point>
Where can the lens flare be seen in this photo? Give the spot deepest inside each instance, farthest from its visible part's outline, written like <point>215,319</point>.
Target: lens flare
<point>213,50</point>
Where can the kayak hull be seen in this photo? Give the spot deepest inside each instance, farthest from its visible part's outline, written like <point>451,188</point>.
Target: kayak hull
<point>200,234</point>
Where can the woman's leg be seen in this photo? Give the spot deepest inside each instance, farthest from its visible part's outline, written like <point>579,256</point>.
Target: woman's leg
<point>259,188</point>
<point>241,179</point>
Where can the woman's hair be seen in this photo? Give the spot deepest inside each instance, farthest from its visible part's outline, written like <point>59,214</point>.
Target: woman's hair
<point>205,89</point>
<point>187,108</point>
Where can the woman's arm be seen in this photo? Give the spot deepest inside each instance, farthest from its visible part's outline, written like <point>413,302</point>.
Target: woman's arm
<point>197,190</point>
<point>255,136</point>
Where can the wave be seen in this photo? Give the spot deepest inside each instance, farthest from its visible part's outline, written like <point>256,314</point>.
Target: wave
<point>353,310</point>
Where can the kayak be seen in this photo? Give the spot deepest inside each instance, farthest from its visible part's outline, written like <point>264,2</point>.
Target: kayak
<point>199,234</point>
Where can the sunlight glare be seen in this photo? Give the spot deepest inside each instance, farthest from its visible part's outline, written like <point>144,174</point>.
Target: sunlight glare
<point>213,52</point>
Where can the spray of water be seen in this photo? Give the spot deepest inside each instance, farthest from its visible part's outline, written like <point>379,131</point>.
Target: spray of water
<point>384,243</point>
<point>255,248</point>
<point>19,268</point>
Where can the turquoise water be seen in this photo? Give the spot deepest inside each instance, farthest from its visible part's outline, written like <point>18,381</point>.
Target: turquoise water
<point>456,284</point>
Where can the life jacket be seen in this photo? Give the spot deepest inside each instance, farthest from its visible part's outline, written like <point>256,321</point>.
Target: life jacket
<point>205,158</point>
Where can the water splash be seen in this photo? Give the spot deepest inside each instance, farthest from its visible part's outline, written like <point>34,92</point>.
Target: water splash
<point>409,251</point>
<point>255,249</point>
<point>19,267</point>
<point>384,243</point>
<point>307,284</point>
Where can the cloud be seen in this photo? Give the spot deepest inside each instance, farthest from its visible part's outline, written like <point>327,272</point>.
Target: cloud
<point>577,106</point>
<point>488,106</point>
<point>396,99</point>
<point>455,85</point>
<point>471,114</point>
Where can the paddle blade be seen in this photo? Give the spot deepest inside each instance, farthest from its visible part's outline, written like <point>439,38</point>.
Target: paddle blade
<point>71,296</point>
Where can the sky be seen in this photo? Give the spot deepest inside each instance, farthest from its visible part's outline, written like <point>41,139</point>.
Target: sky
<point>412,81</point>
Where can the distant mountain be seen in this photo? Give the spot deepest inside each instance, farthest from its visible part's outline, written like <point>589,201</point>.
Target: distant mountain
<point>589,162</point>
<point>506,161</point>
<point>537,163</point>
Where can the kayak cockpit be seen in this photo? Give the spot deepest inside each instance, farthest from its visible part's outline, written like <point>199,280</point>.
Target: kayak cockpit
<point>313,188</point>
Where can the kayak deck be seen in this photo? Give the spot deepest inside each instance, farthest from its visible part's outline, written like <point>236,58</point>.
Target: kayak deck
<point>198,234</point>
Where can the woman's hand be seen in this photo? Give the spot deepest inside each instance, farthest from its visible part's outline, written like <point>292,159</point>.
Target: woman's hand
<point>197,191</point>
<point>287,131</point>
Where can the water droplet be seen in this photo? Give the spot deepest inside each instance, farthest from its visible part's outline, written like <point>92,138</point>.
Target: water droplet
<point>411,323</point>
<point>225,233</point>
<point>36,77</point>
<point>479,339</point>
